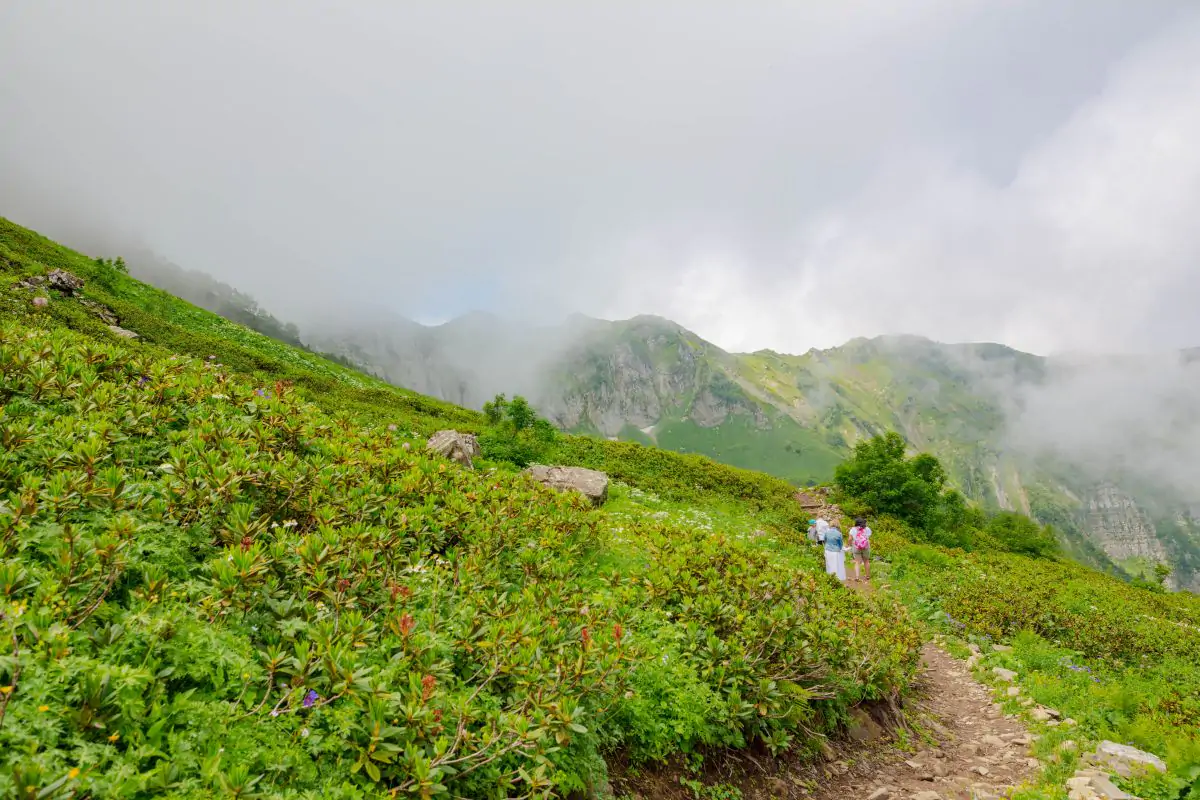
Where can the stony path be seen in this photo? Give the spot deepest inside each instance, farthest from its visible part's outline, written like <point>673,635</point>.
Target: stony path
<point>978,752</point>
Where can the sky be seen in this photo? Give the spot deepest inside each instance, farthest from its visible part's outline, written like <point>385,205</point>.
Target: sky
<point>771,175</point>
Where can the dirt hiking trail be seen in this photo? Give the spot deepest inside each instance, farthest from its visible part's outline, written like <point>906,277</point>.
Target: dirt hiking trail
<point>977,752</point>
<point>961,746</point>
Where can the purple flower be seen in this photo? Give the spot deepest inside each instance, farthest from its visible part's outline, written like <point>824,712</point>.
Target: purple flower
<point>311,698</point>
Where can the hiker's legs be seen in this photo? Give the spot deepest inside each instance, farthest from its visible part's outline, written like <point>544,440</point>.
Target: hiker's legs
<point>854,556</point>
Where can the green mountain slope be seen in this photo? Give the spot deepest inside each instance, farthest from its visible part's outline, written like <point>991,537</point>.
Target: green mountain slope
<point>796,416</point>
<point>228,569</point>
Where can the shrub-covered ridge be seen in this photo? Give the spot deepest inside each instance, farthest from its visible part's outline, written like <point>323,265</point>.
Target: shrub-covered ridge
<point>212,587</point>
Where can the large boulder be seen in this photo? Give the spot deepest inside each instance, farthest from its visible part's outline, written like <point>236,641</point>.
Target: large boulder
<point>1124,760</point>
<point>588,482</point>
<point>460,447</point>
<point>64,281</point>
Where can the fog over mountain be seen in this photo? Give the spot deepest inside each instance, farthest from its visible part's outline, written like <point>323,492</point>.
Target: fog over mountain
<point>778,177</point>
<point>783,176</point>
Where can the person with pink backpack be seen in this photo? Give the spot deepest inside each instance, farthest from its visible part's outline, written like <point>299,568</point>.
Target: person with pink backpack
<point>860,548</point>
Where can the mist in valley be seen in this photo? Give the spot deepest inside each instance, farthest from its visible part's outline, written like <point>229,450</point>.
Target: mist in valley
<point>435,191</point>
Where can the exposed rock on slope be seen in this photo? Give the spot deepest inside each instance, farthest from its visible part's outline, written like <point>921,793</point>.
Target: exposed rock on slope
<point>1120,527</point>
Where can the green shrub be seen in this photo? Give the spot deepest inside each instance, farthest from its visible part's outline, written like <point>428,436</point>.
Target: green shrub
<point>515,433</point>
<point>1018,533</point>
<point>880,476</point>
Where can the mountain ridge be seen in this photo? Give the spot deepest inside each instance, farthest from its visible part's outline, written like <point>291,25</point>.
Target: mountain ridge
<point>652,380</point>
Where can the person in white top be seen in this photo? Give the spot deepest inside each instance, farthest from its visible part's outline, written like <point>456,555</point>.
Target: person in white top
<point>860,548</point>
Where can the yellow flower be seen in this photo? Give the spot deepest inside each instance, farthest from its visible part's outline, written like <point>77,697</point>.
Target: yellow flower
<point>114,737</point>
<point>6,689</point>
<point>43,709</point>
<point>74,773</point>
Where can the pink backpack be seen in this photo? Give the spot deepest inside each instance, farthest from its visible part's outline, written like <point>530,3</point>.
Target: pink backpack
<point>859,537</point>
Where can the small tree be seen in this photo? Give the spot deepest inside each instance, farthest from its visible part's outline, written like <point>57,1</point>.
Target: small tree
<point>886,481</point>
<point>515,432</point>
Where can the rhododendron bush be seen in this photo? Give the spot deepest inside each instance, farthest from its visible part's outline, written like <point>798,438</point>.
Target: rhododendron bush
<point>213,588</point>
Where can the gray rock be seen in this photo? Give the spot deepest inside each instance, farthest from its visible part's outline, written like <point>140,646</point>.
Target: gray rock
<point>1004,674</point>
<point>100,310</point>
<point>40,302</point>
<point>1125,760</point>
<point>1089,784</point>
<point>63,281</point>
<point>124,334</point>
<point>588,482</point>
<point>460,447</point>
<point>862,728</point>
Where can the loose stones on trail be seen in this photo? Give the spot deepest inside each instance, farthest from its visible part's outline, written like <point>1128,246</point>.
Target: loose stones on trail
<point>588,482</point>
<point>460,447</point>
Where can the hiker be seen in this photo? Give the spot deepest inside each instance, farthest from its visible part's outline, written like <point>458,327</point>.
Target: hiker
<point>822,528</point>
<point>835,556</point>
<point>860,548</point>
<point>812,531</point>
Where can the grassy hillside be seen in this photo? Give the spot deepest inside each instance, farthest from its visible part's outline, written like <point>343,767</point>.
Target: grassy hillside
<point>228,569</point>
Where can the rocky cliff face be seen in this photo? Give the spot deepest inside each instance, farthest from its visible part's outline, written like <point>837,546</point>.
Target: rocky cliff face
<point>1122,529</point>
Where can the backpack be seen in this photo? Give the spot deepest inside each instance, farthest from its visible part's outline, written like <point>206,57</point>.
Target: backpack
<point>859,537</point>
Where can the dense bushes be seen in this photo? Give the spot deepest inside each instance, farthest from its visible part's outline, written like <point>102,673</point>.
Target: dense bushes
<point>913,490</point>
<point>212,587</point>
<point>515,433</point>
<point>179,327</point>
<point>881,479</point>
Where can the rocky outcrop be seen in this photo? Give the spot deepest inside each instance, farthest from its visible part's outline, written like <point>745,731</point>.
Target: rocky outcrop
<point>590,483</point>
<point>1121,528</point>
<point>460,447</point>
<point>100,310</point>
<point>57,279</point>
<point>1124,760</point>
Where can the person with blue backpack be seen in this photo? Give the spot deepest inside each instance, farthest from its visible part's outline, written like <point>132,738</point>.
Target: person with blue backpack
<point>860,548</point>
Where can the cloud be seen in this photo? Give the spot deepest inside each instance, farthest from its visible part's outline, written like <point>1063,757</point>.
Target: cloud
<point>783,175</point>
<point>1090,246</point>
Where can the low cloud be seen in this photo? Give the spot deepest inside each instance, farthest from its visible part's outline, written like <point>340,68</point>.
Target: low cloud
<point>785,176</point>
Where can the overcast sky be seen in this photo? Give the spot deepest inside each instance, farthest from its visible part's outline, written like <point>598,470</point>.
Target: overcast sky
<point>773,174</point>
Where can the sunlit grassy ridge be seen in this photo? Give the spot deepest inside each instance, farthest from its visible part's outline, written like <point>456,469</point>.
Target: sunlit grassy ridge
<point>214,586</point>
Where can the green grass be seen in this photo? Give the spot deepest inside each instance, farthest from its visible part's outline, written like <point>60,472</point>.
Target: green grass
<point>789,451</point>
